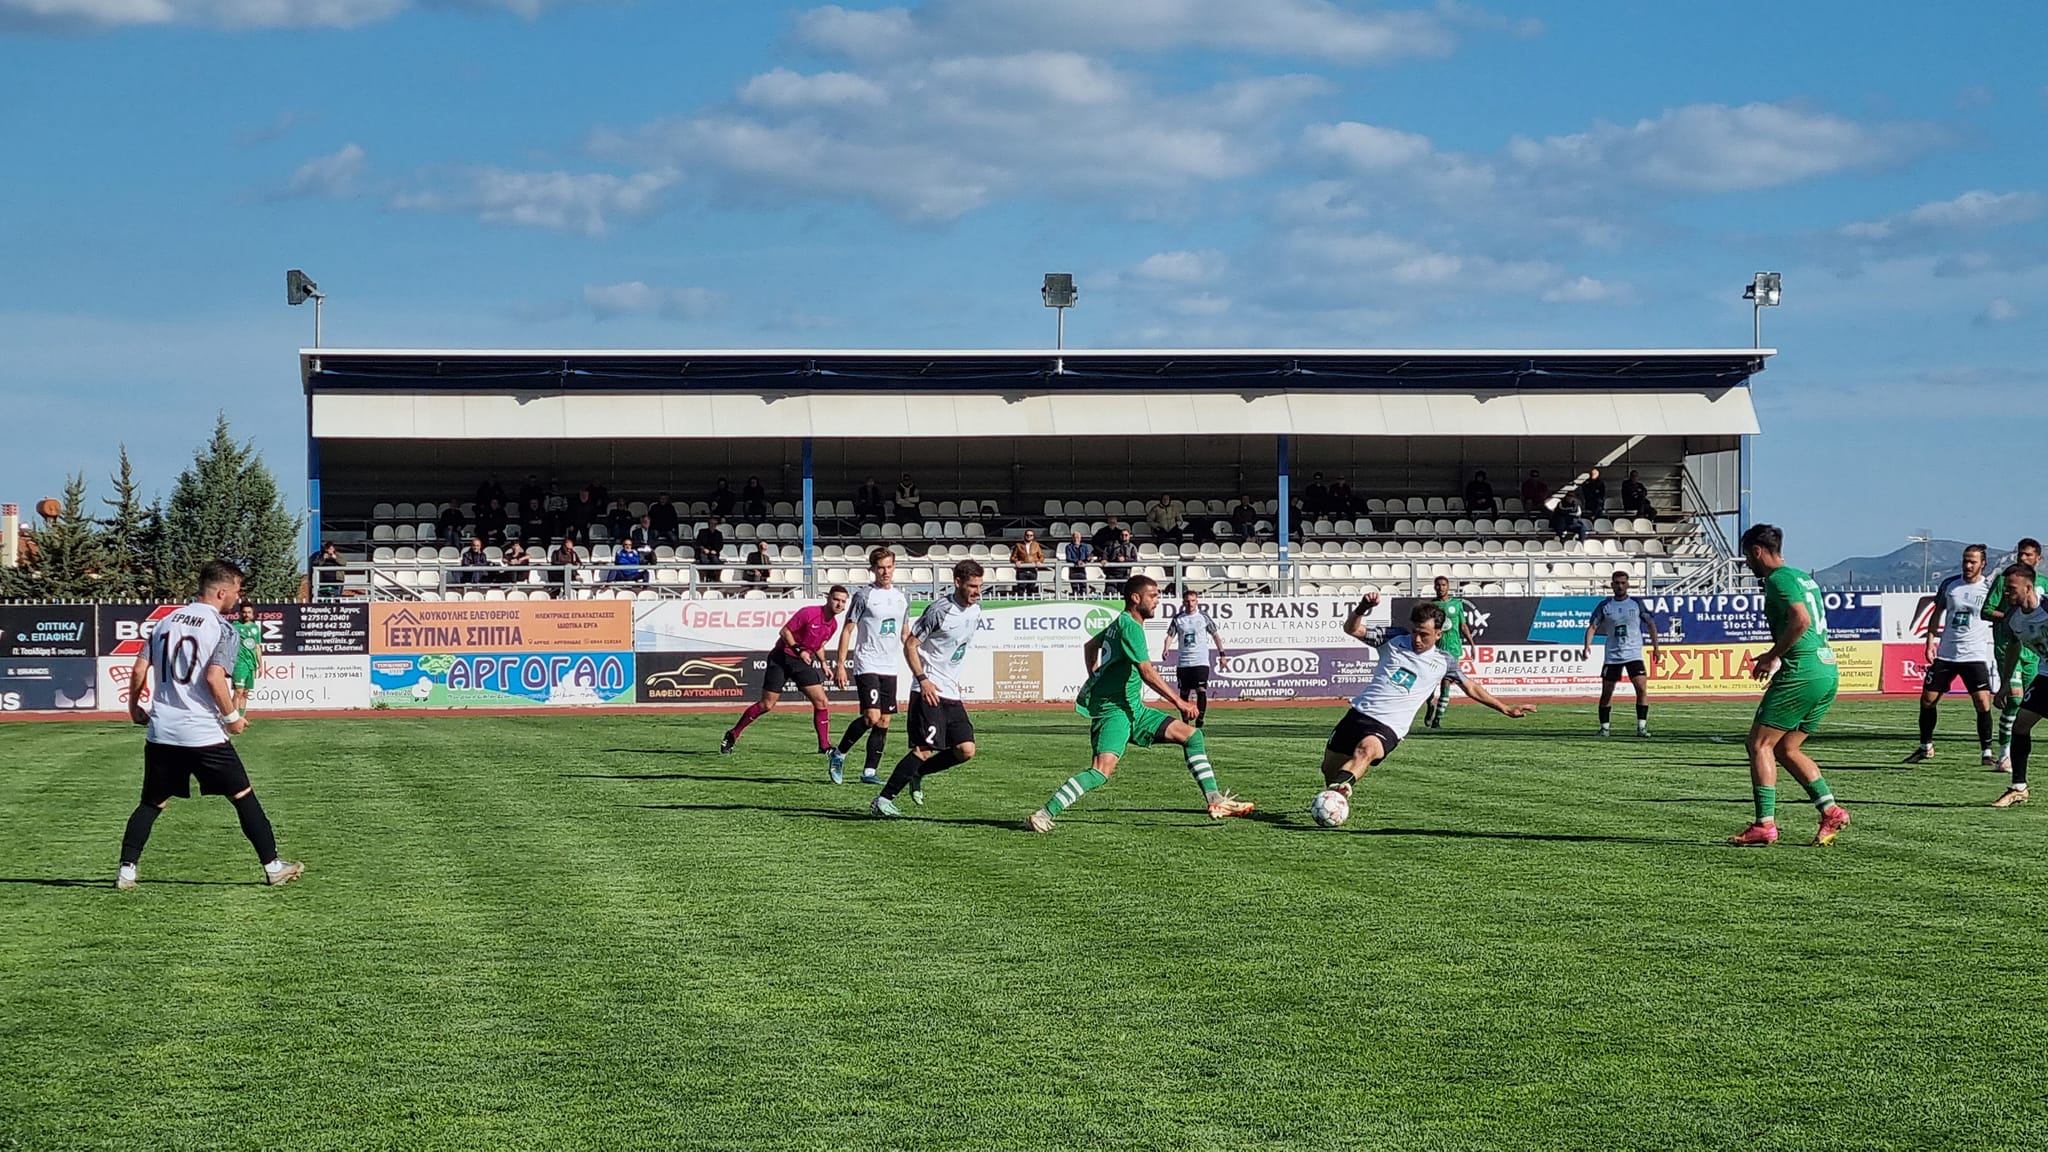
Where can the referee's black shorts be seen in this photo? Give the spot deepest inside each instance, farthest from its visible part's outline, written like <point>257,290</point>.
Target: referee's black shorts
<point>169,769</point>
<point>1192,677</point>
<point>1615,670</point>
<point>785,668</point>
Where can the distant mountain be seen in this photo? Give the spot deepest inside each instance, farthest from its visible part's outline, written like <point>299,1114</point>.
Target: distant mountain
<point>1901,568</point>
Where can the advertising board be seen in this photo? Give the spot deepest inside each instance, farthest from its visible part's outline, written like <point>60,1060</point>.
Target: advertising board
<point>489,627</point>
<point>59,684</point>
<point>501,679</point>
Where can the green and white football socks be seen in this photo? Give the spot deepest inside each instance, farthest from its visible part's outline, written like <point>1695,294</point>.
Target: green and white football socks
<point>1197,751</point>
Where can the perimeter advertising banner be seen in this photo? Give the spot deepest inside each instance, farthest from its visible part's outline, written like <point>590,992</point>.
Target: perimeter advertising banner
<point>502,679</point>
<point>47,658</point>
<point>500,626</point>
<point>314,655</point>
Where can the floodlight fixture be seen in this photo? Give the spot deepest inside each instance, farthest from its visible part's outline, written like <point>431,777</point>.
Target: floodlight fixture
<point>1765,290</point>
<point>299,288</point>
<point>1059,293</point>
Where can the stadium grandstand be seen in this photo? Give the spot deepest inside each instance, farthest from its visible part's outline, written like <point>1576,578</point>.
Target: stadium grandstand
<point>1295,471</point>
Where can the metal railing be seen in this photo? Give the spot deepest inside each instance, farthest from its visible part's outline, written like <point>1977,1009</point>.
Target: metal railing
<point>1403,574</point>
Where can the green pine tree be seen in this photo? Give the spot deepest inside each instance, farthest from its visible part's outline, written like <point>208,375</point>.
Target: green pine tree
<point>73,558</point>
<point>131,534</point>
<point>227,506</point>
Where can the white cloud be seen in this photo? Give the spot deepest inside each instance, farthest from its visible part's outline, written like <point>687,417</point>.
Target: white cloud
<point>1717,148</point>
<point>1586,290</point>
<point>932,140</point>
<point>1998,311</point>
<point>337,175</point>
<point>86,15</point>
<point>1303,28</point>
<point>561,201</point>
<point>1976,210</point>
<point>1182,267</point>
<point>1368,147</point>
<point>784,89</point>
<point>635,298</point>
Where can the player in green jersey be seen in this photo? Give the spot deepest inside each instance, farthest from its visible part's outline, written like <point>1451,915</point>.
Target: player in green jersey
<point>2026,613</point>
<point>248,655</point>
<point>1113,700</point>
<point>2027,662</point>
<point>1457,630</point>
<point>1800,667</point>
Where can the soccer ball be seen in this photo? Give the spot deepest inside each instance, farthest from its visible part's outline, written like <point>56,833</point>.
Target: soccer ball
<point>1330,808</point>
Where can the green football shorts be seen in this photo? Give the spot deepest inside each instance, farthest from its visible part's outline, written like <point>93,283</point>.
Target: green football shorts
<point>1797,703</point>
<point>244,679</point>
<point>1116,729</point>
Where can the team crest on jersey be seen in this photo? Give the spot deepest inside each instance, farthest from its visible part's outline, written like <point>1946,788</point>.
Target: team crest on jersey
<point>1404,677</point>
<point>888,628</point>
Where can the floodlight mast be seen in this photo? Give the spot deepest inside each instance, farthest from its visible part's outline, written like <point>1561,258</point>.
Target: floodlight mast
<point>1764,291</point>
<point>298,288</point>
<point>1059,294</point>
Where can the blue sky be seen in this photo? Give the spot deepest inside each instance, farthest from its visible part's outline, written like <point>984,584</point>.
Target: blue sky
<point>1288,172</point>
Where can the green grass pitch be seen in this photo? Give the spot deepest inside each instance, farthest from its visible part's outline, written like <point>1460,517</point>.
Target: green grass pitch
<point>559,932</point>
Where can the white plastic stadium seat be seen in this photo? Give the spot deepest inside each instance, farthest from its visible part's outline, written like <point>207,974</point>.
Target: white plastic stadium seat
<point>780,510</point>
<point>383,512</point>
<point>1054,508</point>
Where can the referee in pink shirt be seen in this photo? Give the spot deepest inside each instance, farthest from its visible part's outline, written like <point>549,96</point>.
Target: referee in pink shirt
<point>797,658</point>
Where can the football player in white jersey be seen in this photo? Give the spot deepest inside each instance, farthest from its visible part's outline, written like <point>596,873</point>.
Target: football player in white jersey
<point>1196,646</point>
<point>1959,644</point>
<point>1624,621</point>
<point>186,671</point>
<point>941,734</point>
<point>2026,614</point>
<point>1410,669</point>
<point>880,612</point>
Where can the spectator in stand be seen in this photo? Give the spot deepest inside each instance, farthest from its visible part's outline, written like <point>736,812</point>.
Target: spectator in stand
<point>1168,517</point>
<point>1534,492</point>
<point>1077,553</point>
<point>618,522</point>
<point>627,566</point>
<point>1118,558</point>
<point>642,534</point>
<point>491,520</point>
<point>663,518</point>
<point>600,495</point>
<point>1593,494</point>
<point>1107,534</point>
<point>583,512</point>
<point>755,498</point>
<point>451,524</point>
<point>517,562</point>
<point>907,500</point>
<point>710,546</point>
<point>1479,498</point>
<point>1029,556</point>
<point>1342,503</point>
<point>531,490</point>
<point>722,499</point>
<point>1635,496</point>
<point>1566,519</point>
<point>756,572</point>
<point>1245,517</point>
<point>1315,499</point>
<point>326,568</point>
<point>536,525</point>
<point>488,491</point>
<point>564,559</point>
<point>556,503</point>
<point>472,562</point>
<point>869,502</point>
